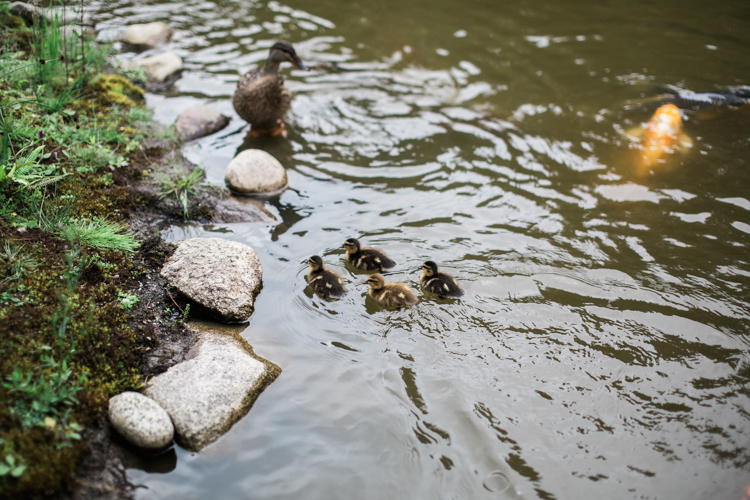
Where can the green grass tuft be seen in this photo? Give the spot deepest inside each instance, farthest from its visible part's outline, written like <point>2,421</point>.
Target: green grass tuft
<point>100,233</point>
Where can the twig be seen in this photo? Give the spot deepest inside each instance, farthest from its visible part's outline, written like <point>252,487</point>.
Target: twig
<point>175,303</point>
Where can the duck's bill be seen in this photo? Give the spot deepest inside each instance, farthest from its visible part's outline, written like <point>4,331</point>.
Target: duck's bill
<point>300,64</point>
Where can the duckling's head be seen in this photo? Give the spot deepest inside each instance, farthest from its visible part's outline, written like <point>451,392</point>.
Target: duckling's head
<point>352,245</point>
<point>283,51</point>
<point>315,263</point>
<point>376,281</point>
<point>429,268</point>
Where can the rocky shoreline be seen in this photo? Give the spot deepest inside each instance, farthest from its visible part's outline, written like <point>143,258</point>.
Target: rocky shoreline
<point>200,381</point>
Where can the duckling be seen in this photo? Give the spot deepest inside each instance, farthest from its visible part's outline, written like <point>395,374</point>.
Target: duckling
<point>368,259</point>
<point>261,98</point>
<point>441,284</point>
<point>391,294</point>
<point>323,281</point>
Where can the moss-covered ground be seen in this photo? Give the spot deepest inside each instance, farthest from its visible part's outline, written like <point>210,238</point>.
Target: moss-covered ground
<point>74,329</point>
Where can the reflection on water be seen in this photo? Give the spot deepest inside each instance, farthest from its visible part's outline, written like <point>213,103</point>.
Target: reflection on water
<point>601,348</point>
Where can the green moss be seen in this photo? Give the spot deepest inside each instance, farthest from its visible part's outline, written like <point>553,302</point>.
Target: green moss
<point>116,90</point>
<point>107,350</point>
<point>13,22</point>
<point>109,345</point>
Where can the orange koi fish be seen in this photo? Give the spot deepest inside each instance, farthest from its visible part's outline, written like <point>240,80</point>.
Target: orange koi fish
<point>661,136</point>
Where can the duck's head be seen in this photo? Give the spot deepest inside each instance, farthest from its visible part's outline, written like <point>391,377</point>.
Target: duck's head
<point>352,245</point>
<point>283,51</point>
<point>376,281</point>
<point>315,263</point>
<point>429,268</point>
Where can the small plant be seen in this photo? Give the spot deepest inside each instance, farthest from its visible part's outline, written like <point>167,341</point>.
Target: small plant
<point>25,169</point>
<point>11,466</point>
<point>181,186</point>
<point>7,298</point>
<point>101,233</point>
<point>18,263</point>
<point>127,301</point>
<point>44,395</point>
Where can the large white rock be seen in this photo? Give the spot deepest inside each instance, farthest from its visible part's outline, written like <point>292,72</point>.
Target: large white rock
<point>214,388</point>
<point>158,68</point>
<point>199,121</point>
<point>148,35</point>
<point>141,420</point>
<point>255,172</point>
<point>219,275</point>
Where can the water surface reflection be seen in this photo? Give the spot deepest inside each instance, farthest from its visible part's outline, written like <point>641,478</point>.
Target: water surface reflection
<point>601,348</point>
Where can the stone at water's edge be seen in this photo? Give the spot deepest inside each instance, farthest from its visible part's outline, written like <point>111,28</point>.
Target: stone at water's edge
<point>141,420</point>
<point>31,14</point>
<point>158,68</point>
<point>208,393</point>
<point>255,172</point>
<point>219,275</point>
<point>199,121</point>
<point>148,35</point>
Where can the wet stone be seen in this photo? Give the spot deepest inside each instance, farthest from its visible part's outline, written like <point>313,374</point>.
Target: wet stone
<point>147,36</point>
<point>255,172</point>
<point>31,14</point>
<point>213,389</point>
<point>219,275</point>
<point>141,420</point>
<point>159,68</point>
<point>199,121</point>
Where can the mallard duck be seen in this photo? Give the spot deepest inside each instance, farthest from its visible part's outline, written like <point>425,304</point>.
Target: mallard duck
<point>391,294</point>
<point>368,259</point>
<point>261,98</point>
<point>323,281</point>
<point>441,284</point>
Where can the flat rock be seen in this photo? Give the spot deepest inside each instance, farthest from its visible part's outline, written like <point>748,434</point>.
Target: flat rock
<point>148,35</point>
<point>219,275</point>
<point>255,172</point>
<point>31,14</point>
<point>159,68</point>
<point>199,121</point>
<point>212,390</point>
<point>141,420</point>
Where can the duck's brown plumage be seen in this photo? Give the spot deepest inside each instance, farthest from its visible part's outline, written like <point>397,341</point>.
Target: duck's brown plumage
<point>442,284</point>
<point>261,98</point>
<point>324,281</point>
<point>391,294</point>
<point>369,259</point>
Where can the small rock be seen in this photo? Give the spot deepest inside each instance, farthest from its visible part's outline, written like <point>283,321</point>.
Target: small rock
<point>31,14</point>
<point>147,35</point>
<point>158,68</point>
<point>209,392</point>
<point>222,276</point>
<point>27,12</point>
<point>255,172</point>
<point>199,121</point>
<point>141,420</point>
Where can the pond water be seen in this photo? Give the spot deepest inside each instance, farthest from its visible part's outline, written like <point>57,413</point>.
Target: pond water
<point>601,348</point>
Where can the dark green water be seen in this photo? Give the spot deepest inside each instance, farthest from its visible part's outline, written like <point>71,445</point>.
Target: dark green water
<point>601,349</point>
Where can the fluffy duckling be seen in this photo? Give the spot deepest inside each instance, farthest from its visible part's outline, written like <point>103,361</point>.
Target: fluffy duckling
<point>391,294</point>
<point>323,281</point>
<point>441,284</point>
<point>261,98</point>
<point>368,259</point>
